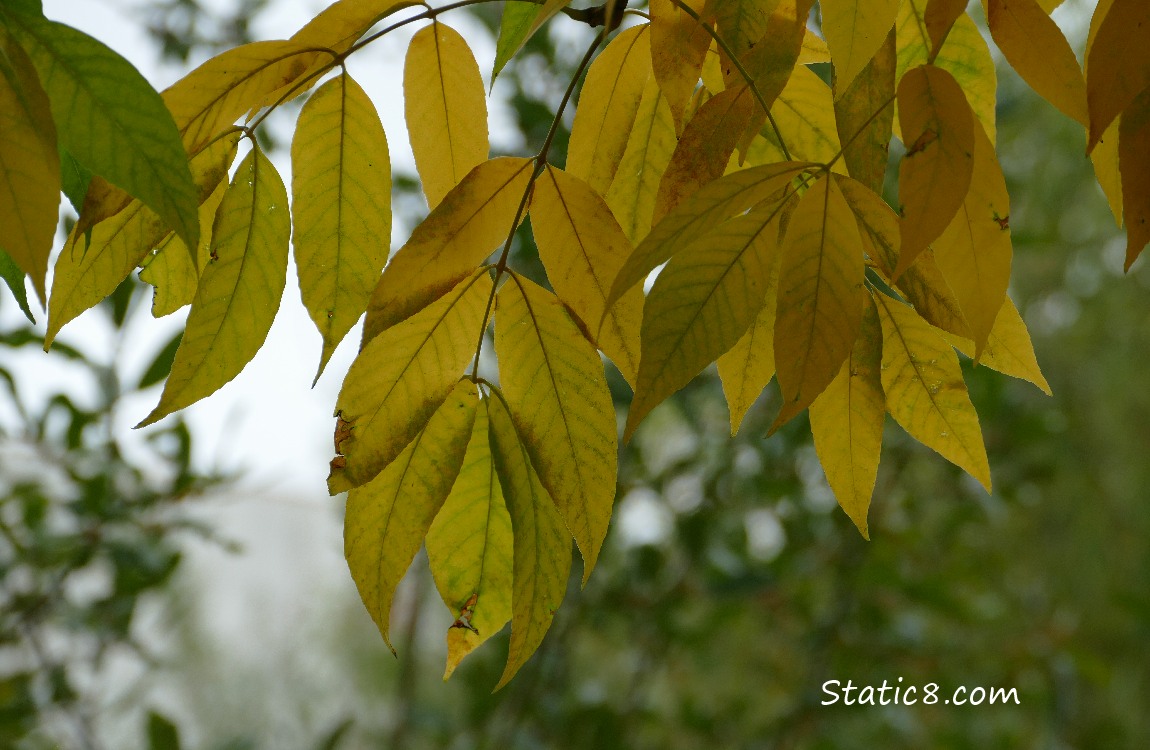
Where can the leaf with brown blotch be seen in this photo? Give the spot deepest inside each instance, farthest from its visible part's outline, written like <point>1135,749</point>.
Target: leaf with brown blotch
<point>934,176</point>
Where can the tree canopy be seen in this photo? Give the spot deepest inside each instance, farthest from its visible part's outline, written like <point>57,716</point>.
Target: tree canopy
<point>740,149</point>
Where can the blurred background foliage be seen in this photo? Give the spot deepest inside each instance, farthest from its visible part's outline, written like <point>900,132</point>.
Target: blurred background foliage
<point>731,586</point>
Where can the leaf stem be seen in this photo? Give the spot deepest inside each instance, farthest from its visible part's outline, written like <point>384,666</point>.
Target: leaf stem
<point>540,165</point>
<point>742,72</point>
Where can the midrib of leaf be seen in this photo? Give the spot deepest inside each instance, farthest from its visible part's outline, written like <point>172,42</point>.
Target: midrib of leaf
<point>818,280</point>
<point>446,109</point>
<point>614,86</point>
<point>922,381</point>
<point>379,594</point>
<point>570,440</point>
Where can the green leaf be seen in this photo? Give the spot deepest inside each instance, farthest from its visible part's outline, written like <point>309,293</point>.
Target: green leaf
<point>388,517</point>
<point>162,363</point>
<point>29,166</point>
<point>162,733</point>
<point>75,178</point>
<point>88,270</point>
<point>554,383</point>
<point>341,206</point>
<point>469,548</point>
<point>240,290</point>
<point>542,548</point>
<point>400,379</point>
<point>14,278</point>
<point>112,120</point>
<point>519,23</point>
<point>702,303</point>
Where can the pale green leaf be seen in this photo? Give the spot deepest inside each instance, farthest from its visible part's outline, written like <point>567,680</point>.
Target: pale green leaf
<point>239,291</point>
<point>14,278</point>
<point>519,23</point>
<point>469,547</point>
<point>555,387</point>
<point>341,206</point>
<point>388,517</point>
<point>445,108</point>
<point>542,554</point>
<point>401,377</point>
<point>172,270</point>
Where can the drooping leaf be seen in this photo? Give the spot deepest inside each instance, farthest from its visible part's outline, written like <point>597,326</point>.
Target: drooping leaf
<point>649,148</point>
<point>965,55</point>
<point>820,296</point>
<point>401,377</point>
<point>583,248</point>
<point>749,365</point>
<point>1009,349</point>
<point>865,119</point>
<point>111,119</point>
<point>934,176</point>
<point>555,388</point>
<point>341,206</point>
<point>1104,158</point>
<point>471,221</point>
<point>29,168</point>
<point>924,389</point>
<point>702,303</point>
<point>1039,53</point>
<point>726,197</point>
<point>239,291</point>
<point>939,18</point>
<point>388,517</point>
<point>855,31</point>
<point>542,554</point>
<point>14,277</point>
<point>469,547</point>
<point>172,270</point>
<point>87,271</point>
<point>705,147</point>
<point>1117,64</point>
<point>445,108</point>
<point>974,252</point>
<point>847,420</point>
<point>609,103</point>
<point>805,115</point>
<point>1134,161</point>
<point>678,46</point>
<point>519,23</point>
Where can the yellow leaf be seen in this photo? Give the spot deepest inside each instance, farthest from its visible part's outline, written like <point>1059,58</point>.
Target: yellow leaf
<point>939,18</point>
<point>678,46</point>
<point>1118,64</point>
<point>773,59</point>
<point>705,147</point>
<point>582,248</point>
<point>388,517</point>
<point>864,117</point>
<point>855,31</point>
<point>805,115</point>
<point>1104,157</point>
<point>29,165</point>
<point>742,24</point>
<point>609,104</point>
<point>814,49</point>
<point>212,97</point>
<point>965,55</point>
<point>924,389</point>
<point>1039,53</point>
<point>934,175</point>
<point>554,384</point>
<point>720,200</point>
<point>749,365</point>
<point>974,252</point>
<point>469,548</point>
<point>471,221</point>
<point>649,148</point>
<point>847,421</point>
<point>820,297</point>
<point>1009,349</point>
<point>445,107</point>
<point>702,302</point>
<point>87,271</point>
<point>401,377</point>
<point>172,270</point>
<point>239,292</point>
<point>1134,159</point>
<point>542,548</point>
<point>341,206</point>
